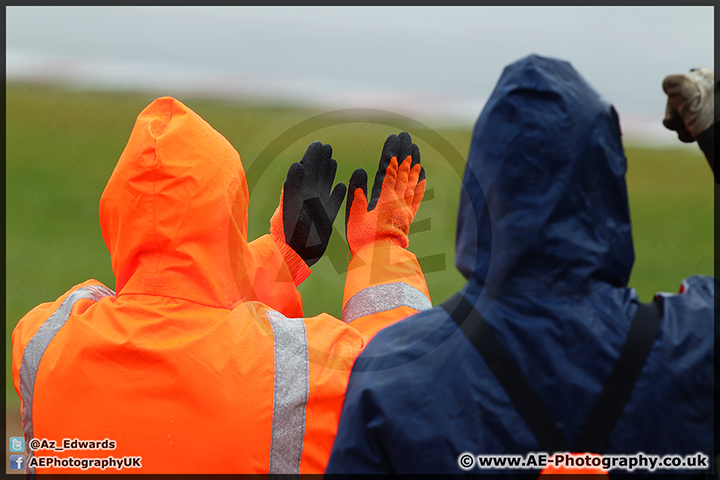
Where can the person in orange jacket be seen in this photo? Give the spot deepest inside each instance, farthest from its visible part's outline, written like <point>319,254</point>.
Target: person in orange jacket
<point>201,360</point>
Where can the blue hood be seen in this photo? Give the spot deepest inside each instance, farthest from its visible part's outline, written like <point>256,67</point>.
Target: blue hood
<point>544,193</point>
<point>544,238</point>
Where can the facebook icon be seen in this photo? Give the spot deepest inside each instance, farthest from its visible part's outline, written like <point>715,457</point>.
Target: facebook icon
<point>17,462</point>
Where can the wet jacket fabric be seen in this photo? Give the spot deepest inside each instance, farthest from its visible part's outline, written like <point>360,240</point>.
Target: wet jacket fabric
<point>200,360</point>
<point>544,238</point>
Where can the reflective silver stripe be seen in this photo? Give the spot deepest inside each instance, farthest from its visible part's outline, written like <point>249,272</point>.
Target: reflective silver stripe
<point>290,394</point>
<point>36,348</point>
<point>381,298</point>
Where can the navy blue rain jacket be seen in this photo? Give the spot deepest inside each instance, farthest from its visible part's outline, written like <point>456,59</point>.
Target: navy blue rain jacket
<point>544,238</point>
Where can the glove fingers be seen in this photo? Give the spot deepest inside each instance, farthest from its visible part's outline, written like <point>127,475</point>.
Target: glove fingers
<point>327,150</point>
<point>292,198</point>
<point>313,151</point>
<point>403,174</point>
<point>414,175</point>
<point>419,192</point>
<point>413,179</point>
<point>294,181</point>
<point>390,149</point>
<point>326,168</point>
<point>680,90</point>
<point>335,200</point>
<point>415,153</point>
<point>385,180</point>
<point>404,148</point>
<point>692,96</point>
<point>673,121</point>
<point>377,185</point>
<point>292,186</point>
<point>313,160</point>
<point>671,84</point>
<point>330,171</point>
<point>396,147</point>
<point>416,188</point>
<point>404,158</point>
<point>671,116</point>
<point>357,192</point>
<point>684,135</point>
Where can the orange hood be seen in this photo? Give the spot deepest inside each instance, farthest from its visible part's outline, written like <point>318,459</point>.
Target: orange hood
<point>174,212</point>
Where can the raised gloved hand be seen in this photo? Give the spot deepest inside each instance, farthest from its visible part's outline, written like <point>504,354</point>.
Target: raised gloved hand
<point>307,209</point>
<point>690,103</point>
<point>396,195</point>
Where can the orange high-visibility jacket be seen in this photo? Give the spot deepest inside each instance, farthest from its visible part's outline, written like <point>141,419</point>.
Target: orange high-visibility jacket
<point>200,361</point>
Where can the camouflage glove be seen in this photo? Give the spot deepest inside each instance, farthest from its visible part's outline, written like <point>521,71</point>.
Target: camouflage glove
<point>692,105</point>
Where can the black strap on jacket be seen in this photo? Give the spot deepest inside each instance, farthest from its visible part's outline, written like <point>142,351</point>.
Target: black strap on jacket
<point>608,408</point>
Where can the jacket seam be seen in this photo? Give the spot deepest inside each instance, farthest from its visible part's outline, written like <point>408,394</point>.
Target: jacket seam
<point>183,299</point>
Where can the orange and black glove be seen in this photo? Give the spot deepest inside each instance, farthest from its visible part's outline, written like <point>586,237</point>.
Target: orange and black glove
<point>303,220</point>
<point>396,195</point>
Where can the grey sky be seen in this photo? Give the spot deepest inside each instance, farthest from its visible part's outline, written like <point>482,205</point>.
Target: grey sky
<point>447,58</point>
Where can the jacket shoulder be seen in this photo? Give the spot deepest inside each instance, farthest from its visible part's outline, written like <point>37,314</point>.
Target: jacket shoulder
<point>695,300</point>
<point>28,325</point>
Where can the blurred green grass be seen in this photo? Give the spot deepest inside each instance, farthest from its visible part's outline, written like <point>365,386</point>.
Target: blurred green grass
<point>62,145</point>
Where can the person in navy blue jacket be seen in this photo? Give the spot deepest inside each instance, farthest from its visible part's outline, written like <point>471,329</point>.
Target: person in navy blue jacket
<point>544,239</point>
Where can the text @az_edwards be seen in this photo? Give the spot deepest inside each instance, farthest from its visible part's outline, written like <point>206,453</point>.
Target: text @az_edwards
<point>37,444</point>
